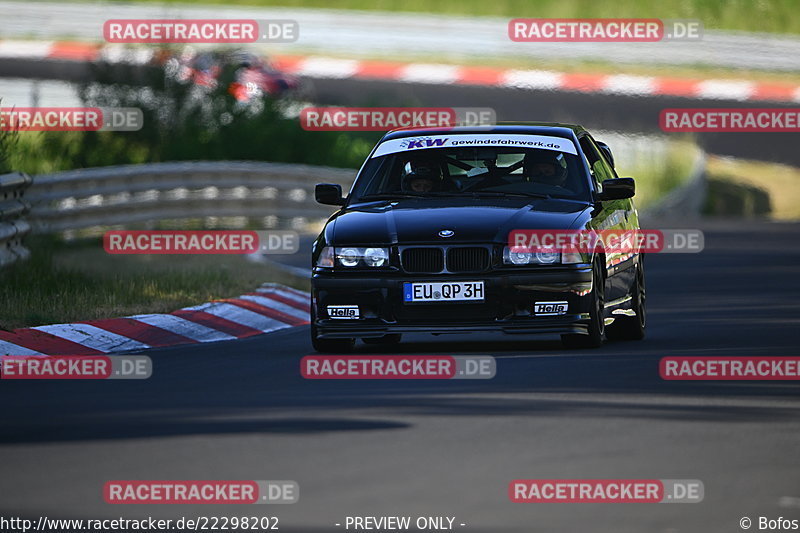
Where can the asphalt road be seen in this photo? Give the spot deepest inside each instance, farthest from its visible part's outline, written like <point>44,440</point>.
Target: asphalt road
<point>240,410</point>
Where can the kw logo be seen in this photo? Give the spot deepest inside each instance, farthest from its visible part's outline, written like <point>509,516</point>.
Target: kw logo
<point>422,142</point>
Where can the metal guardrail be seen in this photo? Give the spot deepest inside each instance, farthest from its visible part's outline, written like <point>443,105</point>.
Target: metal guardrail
<point>124,195</point>
<point>13,227</point>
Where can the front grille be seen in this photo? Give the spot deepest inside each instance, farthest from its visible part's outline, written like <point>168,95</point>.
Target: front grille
<point>473,259</point>
<point>423,260</point>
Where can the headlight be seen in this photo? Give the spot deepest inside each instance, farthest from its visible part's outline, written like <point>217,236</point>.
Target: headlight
<point>548,257</point>
<point>521,257</point>
<point>352,256</point>
<point>376,257</point>
<point>348,257</point>
<point>516,258</point>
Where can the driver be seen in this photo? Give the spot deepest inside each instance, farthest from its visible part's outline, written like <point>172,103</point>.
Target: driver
<point>547,167</point>
<point>424,176</point>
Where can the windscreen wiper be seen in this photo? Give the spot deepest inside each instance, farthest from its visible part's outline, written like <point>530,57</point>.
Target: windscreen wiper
<point>390,196</point>
<point>500,194</point>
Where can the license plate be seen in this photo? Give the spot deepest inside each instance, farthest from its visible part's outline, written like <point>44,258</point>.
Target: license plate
<point>438,291</point>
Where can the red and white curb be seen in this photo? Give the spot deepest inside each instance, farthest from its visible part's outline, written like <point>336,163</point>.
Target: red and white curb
<point>543,80</point>
<point>326,67</point>
<point>269,308</point>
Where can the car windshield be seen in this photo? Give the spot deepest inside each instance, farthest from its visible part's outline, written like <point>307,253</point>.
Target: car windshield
<point>473,172</point>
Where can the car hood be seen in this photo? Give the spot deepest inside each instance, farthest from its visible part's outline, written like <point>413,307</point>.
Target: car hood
<point>421,220</point>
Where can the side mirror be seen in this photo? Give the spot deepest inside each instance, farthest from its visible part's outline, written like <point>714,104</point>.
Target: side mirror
<point>328,194</point>
<point>617,189</point>
<point>606,152</point>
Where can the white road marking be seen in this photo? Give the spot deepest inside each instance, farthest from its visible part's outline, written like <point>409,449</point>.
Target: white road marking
<point>92,337</point>
<point>181,326</point>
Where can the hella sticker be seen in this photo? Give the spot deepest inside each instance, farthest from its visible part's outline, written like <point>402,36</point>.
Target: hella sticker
<point>344,312</point>
<point>550,308</point>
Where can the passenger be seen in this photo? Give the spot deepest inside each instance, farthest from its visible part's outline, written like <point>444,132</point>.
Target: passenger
<point>549,168</point>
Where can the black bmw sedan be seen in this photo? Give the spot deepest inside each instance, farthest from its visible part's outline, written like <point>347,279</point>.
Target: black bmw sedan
<point>422,242</point>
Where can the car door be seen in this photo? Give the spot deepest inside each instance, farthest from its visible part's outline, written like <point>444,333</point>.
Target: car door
<point>613,215</point>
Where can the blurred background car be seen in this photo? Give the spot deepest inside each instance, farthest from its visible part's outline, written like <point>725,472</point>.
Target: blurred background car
<point>253,75</point>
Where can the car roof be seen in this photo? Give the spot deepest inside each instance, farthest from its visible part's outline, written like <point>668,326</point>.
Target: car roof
<point>529,128</point>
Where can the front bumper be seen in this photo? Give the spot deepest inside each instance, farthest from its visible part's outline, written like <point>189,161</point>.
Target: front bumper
<point>507,306</point>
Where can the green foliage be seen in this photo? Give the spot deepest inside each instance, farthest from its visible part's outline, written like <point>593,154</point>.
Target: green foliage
<point>184,122</point>
<point>8,142</point>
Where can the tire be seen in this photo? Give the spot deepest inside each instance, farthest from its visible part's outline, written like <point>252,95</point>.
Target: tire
<point>392,338</point>
<point>334,346</point>
<point>596,322</point>
<point>632,328</point>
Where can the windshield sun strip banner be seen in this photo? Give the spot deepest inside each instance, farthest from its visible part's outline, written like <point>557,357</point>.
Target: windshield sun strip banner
<point>407,144</point>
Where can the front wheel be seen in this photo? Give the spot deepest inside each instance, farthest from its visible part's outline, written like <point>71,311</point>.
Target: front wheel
<point>631,328</point>
<point>596,321</point>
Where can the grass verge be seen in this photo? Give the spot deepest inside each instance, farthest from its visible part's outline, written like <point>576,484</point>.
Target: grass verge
<point>777,16</point>
<point>68,282</point>
<point>658,176</point>
<point>753,188</point>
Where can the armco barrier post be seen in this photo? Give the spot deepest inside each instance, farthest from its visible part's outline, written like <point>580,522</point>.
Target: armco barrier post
<point>13,226</point>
